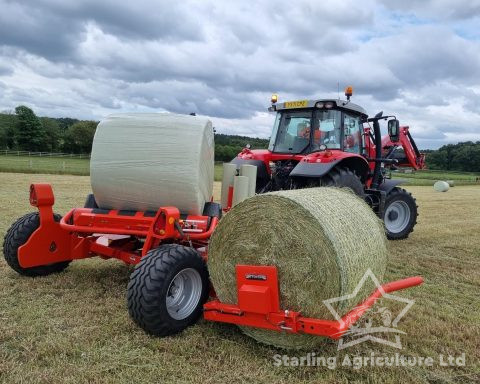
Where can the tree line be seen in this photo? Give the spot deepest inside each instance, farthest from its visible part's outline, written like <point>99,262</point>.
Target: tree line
<point>463,157</point>
<point>23,130</point>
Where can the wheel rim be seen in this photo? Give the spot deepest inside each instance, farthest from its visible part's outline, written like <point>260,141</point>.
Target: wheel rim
<point>397,216</point>
<point>184,293</point>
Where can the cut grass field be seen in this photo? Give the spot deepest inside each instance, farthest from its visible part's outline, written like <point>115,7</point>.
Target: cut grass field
<point>429,177</point>
<point>45,164</point>
<point>74,327</point>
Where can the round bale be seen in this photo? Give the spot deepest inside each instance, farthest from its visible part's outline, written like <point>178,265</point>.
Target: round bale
<point>441,186</point>
<point>322,240</point>
<point>142,161</point>
<point>451,183</point>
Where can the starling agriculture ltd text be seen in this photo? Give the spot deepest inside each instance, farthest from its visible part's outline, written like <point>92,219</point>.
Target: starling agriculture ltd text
<point>372,360</point>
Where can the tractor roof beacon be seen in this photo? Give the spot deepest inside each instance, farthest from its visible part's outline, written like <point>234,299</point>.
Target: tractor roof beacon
<point>328,142</point>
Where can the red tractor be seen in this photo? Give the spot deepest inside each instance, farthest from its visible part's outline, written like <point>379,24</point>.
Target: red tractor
<point>325,143</point>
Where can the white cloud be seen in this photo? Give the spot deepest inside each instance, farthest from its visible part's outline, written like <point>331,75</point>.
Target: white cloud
<point>86,59</point>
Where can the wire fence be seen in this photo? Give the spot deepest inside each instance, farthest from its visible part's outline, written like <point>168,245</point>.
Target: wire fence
<point>9,152</point>
<point>44,162</point>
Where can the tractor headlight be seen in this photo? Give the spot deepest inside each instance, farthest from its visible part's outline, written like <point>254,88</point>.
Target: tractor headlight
<point>319,104</point>
<point>329,105</point>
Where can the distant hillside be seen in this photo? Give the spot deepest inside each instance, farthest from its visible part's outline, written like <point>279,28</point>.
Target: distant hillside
<point>228,146</point>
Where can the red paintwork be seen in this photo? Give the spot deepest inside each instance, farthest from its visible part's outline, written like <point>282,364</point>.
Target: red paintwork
<point>316,157</point>
<point>81,234</point>
<point>404,141</point>
<point>331,155</point>
<point>259,306</point>
<point>76,235</point>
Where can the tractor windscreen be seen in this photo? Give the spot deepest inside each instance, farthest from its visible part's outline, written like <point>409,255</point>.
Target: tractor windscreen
<point>293,131</point>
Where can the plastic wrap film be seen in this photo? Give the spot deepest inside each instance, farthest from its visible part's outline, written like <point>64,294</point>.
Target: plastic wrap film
<point>141,161</point>
<point>229,172</point>
<point>251,172</point>
<point>240,189</point>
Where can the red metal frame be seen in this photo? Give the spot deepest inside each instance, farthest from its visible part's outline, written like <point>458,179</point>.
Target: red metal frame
<point>259,306</point>
<point>414,159</point>
<point>78,235</point>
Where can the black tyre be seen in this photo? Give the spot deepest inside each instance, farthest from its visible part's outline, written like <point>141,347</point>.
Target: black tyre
<point>343,178</point>
<point>16,236</point>
<point>400,215</point>
<point>167,290</point>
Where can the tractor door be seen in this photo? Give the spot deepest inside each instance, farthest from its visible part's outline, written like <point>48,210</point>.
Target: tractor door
<point>352,134</point>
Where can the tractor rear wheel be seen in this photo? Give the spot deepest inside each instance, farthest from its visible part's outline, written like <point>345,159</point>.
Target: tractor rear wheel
<point>167,290</point>
<point>17,235</point>
<point>400,215</point>
<point>343,178</point>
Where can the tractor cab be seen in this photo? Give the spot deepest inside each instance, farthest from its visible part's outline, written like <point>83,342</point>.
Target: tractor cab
<point>306,126</point>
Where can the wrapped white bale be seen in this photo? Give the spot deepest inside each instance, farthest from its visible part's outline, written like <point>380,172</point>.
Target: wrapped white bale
<point>322,241</point>
<point>441,186</point>
<point>141,161</point>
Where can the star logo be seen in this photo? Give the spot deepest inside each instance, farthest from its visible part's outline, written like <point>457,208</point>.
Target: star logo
<point>361,334</point>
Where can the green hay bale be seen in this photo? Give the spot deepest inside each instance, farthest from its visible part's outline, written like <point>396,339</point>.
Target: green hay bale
<point>441,186</point>
<point>451,183</point>
<point>322,241</point>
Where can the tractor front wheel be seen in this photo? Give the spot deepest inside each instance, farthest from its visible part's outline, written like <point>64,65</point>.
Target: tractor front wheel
<point>400,215</point>
<point>17,235</point>
<point>167,290</point>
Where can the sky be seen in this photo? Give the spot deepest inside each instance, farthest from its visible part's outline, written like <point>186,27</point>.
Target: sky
<point>418,60</point>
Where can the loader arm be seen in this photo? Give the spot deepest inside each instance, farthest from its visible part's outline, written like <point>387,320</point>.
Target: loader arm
<point>412,157</point>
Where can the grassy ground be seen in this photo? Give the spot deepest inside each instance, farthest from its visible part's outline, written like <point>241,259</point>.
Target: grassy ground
<point>429,177</point>
<point>51,165</point>
<point>74,327</point>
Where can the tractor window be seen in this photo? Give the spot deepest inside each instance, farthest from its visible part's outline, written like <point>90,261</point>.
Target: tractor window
<point>291,132</point>
<point>273,138</point>
<point>327,125</point>
<point>352,139</point>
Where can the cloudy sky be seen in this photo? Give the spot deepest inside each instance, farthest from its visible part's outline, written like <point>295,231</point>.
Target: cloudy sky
<point>419,60</point>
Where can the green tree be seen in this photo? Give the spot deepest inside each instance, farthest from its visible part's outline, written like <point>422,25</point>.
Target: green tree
<point>463,157</point>
<point>8,122</point>
<point>30,135</point>
<point>52,134</point>
<point>79,137</point>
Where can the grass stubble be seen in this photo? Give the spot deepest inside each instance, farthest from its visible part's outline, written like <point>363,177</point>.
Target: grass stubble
<point>74,327</point>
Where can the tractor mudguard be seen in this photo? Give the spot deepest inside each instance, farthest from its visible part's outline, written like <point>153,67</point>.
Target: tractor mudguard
<point>304,169</point>
<point>389,184</point>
